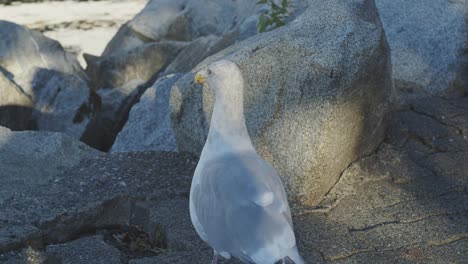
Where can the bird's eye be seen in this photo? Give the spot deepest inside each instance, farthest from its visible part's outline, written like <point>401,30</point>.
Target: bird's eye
<point>209,71</point>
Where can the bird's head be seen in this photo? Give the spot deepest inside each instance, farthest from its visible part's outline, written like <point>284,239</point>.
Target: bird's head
<point>220,76</point>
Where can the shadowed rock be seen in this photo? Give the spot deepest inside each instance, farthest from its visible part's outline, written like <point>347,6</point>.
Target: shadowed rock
<point>149,124</point>
<point>428,44</point>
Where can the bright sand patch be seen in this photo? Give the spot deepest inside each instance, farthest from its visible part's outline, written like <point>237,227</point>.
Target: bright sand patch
<point>84,27</point>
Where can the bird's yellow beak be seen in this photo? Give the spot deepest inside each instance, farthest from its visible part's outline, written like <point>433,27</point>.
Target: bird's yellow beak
<point>200,78</point>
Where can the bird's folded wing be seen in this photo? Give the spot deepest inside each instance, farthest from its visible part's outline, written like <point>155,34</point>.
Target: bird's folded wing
<point>242,206</point>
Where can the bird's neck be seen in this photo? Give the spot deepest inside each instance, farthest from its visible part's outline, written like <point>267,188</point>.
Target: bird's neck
<point>228,131</point>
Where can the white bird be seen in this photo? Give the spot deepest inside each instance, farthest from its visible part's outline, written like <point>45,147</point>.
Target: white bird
<point>238,204</point>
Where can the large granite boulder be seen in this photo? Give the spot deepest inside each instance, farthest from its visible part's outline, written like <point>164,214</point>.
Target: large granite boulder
<point>149,125</point>
<point>30,158</point>
<point>53,79</point>
<point>316,94</point>
<point>23,52</point>
<point>428,43</point>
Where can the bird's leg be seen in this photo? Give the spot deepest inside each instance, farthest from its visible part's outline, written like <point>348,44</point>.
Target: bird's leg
<point>215,257</point>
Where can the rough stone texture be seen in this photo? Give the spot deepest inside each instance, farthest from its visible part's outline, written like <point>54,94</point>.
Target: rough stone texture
<point>399,204</point>
<point>178,257</point>
<point>87,250</point>
<point>98,193</point>
<point>140,63</point>
<point>25,256</point>
<point>316,92</point>
<point>112,100</point>
<point>149,125</point>
<point>184,257</point>
<point>427,39</point>
<point>60,101</point>
<point>193,54</point>
<point>49,76</point>
<point>30,158</point>
<point>15,106</point>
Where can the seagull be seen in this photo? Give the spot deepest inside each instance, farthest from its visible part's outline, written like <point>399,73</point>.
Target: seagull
<point>238,204</point>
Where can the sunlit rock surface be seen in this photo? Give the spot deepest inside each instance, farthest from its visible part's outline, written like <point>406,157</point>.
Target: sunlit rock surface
<point>316,94</point>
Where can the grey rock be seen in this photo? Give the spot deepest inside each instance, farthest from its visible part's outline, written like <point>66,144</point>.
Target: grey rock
<point>53,79</point>
<point>125,39</point>
<point>184,257</point>
<point>141,63</point>
<point>178,229</point>
<point>451,253</point>
<point>180,20</point>
<point>103,191</point>
<point>23,51</point>
<point>31,158</point>
<point>120,79</point>
<point>425,127</point>
<point>112,100</point>
<point>426,39</point>
<point>193,54</point>
<point>26,256</point>
<point>61,102</point>
<point>200,49</point>
<point>177,257</point>
<point>217,17</point>
<point>311,105</point>
<point>15,106</point>
<point>87,250</point>
<point>149,125</point>
<point>159,20</point>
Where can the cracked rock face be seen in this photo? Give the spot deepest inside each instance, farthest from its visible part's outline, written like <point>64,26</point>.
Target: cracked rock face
<point>310,110</point>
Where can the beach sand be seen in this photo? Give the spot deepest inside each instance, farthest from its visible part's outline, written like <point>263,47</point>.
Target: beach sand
<point>81,27</point>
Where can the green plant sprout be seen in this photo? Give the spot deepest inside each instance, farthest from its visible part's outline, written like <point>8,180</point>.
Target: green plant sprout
<point>274,16</point>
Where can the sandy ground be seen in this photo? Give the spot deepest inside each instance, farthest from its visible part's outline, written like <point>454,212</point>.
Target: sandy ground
<point>81,27</point>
